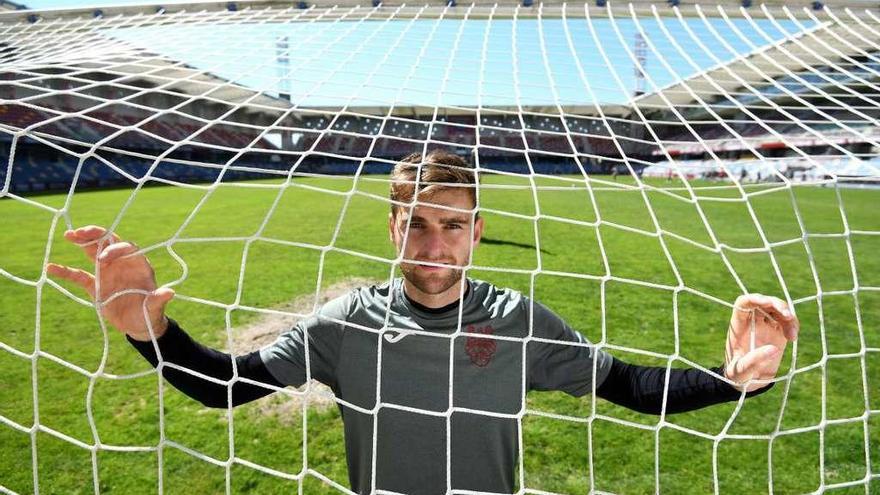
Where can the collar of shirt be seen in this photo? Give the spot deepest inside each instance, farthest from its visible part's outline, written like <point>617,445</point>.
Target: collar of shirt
<point>445,319</point>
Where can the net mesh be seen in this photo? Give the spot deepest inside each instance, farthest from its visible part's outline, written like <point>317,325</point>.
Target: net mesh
<point>654,161</point>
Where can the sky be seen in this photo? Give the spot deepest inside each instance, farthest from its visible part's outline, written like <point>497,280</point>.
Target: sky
<point>454,62</point>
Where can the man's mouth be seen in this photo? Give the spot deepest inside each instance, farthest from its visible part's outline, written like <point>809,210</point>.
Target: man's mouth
<point>432,268</point>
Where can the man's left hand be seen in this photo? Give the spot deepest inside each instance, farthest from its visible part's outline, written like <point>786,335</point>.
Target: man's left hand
<point>760,328</point>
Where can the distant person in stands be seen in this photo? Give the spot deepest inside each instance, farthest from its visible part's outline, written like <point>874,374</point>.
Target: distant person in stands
<point>390,344</point>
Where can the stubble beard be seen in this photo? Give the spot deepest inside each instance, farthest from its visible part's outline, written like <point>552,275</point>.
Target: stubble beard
<point>431,283</point>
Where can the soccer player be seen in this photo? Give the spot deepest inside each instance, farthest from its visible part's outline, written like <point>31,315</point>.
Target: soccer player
<point>426,343</point>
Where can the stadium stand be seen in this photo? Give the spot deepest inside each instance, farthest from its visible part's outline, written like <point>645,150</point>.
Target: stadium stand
<point>190,143</point>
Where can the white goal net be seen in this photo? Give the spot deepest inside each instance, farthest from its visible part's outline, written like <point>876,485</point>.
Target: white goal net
<point>641,166</point>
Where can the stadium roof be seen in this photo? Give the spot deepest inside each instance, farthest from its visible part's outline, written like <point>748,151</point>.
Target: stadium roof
<point>177,77</point>
<point>7,5</point>
<point>502,8</point>
<point>98,53</point>
<point>826,44</point>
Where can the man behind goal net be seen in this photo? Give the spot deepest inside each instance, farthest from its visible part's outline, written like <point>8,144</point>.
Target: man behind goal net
<point>589,273</point>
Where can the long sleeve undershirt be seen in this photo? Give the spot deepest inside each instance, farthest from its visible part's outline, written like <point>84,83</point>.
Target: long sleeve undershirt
<point>640,388</point>
<point>636,387</point>
<point>179,348</point>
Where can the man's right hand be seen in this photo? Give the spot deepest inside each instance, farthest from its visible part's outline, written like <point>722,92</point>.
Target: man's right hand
<point>119,268</point>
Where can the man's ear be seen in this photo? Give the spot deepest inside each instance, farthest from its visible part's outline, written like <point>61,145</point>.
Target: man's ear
<point>478,230</point>
<point>391,228</point>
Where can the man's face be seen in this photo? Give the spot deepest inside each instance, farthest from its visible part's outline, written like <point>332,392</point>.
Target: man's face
<point>436,235</point>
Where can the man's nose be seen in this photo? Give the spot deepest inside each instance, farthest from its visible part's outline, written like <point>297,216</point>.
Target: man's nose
<point>434,245</point>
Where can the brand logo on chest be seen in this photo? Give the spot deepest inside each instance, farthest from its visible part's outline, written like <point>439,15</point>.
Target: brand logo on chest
<point>480,349</point>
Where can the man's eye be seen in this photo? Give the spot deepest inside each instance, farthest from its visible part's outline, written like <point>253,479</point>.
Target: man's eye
<point>415,225</point>
<point>453,225</point>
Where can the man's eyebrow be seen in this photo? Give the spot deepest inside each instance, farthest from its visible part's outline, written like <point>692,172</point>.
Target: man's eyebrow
<point>444,220</point>
<point>455,219</point>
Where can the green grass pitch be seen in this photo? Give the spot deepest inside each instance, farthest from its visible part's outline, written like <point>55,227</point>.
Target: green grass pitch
<point>832,359</point>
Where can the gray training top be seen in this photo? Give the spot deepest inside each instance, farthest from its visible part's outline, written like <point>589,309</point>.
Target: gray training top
<point>345,339</point>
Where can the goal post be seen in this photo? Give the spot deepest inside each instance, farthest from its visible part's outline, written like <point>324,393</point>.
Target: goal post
<point>641,165</point>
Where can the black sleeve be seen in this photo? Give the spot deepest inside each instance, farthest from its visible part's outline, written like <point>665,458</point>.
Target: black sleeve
<point>640,388</point>
<point>179,348</point>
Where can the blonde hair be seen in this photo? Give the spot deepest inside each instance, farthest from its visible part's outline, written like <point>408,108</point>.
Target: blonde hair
<point>439,170</point>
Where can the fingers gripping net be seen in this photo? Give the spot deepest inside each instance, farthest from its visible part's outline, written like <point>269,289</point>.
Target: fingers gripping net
<point>641,166</point>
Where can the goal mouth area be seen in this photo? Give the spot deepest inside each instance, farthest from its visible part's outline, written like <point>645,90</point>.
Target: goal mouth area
<point>640,166</point>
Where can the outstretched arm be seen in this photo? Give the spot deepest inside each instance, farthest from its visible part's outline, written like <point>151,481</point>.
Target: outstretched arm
<point>180,349</point>
<point>124,288</point>
<point>760,328</point>
<point>640,388</point>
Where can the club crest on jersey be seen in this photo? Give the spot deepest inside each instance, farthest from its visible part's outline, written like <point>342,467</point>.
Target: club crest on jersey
<point>479,349</point>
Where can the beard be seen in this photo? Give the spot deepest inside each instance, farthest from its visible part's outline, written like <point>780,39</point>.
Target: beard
<point>431,282</point>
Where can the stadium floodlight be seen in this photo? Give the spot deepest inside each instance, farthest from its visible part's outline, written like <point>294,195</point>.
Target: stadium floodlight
<point>640,167</point>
